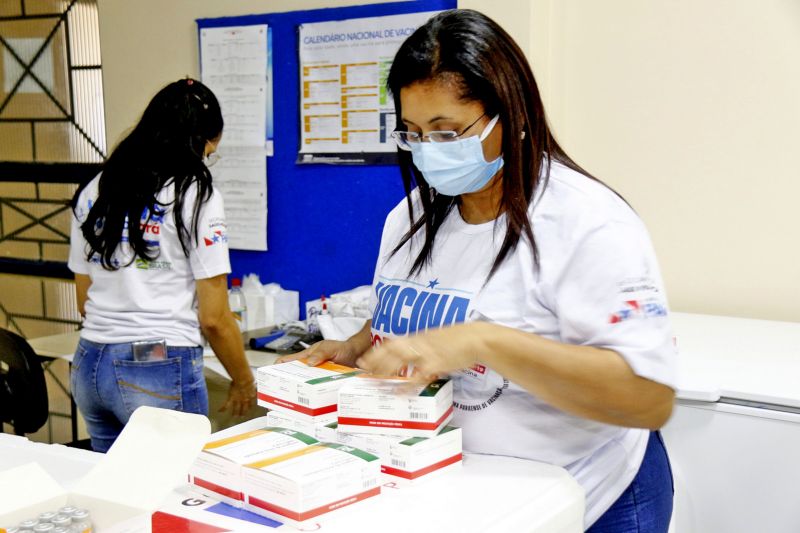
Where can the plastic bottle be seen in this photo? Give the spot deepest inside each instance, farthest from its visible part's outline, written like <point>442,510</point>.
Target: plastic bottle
<point>312,324</point>
<point>237,303</point>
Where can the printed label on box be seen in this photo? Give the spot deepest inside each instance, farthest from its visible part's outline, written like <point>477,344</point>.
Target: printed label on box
<point>395,407</point>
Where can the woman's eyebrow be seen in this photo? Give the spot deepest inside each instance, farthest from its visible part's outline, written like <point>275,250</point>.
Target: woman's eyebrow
<point>438,118</point>
<point>431,121</point>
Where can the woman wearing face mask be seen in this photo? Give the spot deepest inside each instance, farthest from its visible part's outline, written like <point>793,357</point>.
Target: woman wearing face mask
<point>529,282</point>
<point>150,256</point>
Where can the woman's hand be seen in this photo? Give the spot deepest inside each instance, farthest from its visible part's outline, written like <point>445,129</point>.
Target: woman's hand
<point>241,397</point>
<point>433,353</point>
<point>341,352</point>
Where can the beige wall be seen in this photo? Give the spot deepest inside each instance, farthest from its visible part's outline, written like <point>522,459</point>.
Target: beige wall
<point>146,44</point>
<point>690,109</point>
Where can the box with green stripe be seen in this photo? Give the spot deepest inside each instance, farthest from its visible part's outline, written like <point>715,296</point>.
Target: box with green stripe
<point>308,392</point>
<point>403,459</point>
<point>395,407</point>
<point>217,472</point>
<point>299,487</point>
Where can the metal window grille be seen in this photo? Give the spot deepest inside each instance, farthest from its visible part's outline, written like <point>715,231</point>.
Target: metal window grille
<point>52,137</point>
<point>51,90</point>
<point>52,133</point>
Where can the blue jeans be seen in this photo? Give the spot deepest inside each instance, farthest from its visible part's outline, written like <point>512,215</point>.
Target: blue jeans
<point>108,385</point>
<point>646,505</point>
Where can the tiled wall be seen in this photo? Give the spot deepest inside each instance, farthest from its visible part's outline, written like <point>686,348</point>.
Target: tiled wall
<point>34,306</point>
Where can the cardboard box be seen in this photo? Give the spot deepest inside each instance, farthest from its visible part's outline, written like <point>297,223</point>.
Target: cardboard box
<point>300,486</point>
<point>395,407</point>
<point>403,458</point>
<point>299,422</point>
<point>296,388</point>
<point>217,472</point>
<point>149,459</point>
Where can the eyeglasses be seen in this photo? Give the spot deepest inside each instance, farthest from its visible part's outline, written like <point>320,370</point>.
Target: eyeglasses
<point>405,139</point>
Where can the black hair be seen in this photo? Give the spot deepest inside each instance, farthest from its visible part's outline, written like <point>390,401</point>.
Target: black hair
<point>468,49</point>
<point>166,147</point>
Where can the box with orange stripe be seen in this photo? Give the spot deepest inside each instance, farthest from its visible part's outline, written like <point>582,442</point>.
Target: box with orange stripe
<point>309,392</point>
<point>396,407</point>
<point>300,486</point>
<point>217,472</point>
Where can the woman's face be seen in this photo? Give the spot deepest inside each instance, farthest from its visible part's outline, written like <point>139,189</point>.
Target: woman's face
<point>435,105</point>
<point>212,145</point>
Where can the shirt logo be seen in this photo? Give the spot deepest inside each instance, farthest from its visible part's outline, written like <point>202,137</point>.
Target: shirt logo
<point>143,264</point>
<point>403,309</point>
<point>638,309</point>
<point>216,237</point>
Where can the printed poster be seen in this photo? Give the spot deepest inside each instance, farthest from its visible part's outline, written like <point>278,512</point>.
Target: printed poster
<point>346,112</point>
<point>235,63</point>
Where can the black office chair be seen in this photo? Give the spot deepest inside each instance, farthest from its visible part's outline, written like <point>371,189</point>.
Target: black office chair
<point>23,392</point>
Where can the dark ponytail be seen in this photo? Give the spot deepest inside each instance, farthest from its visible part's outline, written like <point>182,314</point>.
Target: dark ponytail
<point>166,146</point>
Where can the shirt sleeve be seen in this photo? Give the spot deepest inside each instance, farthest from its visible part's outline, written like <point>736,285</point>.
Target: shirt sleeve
<point>610,295</point>
<point>210,257</point>
<point>78,246</point>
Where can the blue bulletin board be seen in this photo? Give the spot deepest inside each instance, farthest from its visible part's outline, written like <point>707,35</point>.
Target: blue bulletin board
<point>324,222</point>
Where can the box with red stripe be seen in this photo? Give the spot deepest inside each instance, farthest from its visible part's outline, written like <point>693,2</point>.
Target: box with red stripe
<point>299,487</point>
<point>298,422</point>
<point>306,391</point>
<point>396,407</point>
<point>403,459</point>
<point>217,472</point>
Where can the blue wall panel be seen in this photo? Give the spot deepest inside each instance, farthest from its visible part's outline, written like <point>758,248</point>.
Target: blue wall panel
<point>324,222</point>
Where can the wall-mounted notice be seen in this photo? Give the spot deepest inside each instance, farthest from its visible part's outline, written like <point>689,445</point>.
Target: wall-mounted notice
<point>234,62</point>
<point>346,113</point>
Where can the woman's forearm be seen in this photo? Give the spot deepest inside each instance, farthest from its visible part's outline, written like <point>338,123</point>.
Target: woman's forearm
<point>591,382</point>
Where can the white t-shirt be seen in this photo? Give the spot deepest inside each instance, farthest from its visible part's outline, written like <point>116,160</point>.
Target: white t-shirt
<point>151,299</point>
<point>598,284</point>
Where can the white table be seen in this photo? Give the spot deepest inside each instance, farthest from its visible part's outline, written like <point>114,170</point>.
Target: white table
<point>63,346</point>
<point>489,494</point>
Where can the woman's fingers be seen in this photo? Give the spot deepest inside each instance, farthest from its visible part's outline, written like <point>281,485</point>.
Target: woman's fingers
<point>307,353</point>
<point>389,360</point>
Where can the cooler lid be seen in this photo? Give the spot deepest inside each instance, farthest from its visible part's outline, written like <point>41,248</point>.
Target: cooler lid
<point>738,358</point>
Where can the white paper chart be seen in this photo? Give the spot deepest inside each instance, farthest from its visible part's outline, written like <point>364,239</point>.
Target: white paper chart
<point>345,108</point>
<point>234,65</point>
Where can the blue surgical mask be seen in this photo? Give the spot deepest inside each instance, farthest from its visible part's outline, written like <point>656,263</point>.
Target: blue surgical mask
<point>456,167</point>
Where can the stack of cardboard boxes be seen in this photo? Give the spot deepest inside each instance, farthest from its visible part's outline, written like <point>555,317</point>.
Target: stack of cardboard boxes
<point>330,432</point>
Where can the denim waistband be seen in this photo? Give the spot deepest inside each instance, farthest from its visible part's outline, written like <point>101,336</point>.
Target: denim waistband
<point>127,346</point>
